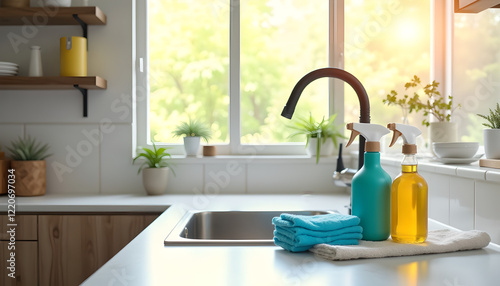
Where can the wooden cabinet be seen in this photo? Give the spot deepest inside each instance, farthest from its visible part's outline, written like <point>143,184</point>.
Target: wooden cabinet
<point>72,247</point>
<point>64,249</point>
<point>25,248</point>
<point>475,6</point>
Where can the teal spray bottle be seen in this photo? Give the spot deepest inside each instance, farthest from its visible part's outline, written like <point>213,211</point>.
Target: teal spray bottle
<point>371,185</point>
<point>409,191</point>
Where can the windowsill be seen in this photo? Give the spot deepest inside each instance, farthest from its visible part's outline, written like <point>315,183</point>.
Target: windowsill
<point>285,159</point>
<point>471,171</point>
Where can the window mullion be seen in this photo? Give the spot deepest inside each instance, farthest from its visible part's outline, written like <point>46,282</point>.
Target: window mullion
<point>336,58</point>
<point>234,77</point>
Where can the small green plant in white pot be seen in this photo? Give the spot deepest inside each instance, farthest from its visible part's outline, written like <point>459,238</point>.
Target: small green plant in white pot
<point>155,169</point>
<point>321,136</point>
<point>492,133</point>
<point>193,131</point>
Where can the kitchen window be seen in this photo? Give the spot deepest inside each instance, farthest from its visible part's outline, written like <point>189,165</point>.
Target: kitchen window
<point>476,70</point>
<point>234,63</point>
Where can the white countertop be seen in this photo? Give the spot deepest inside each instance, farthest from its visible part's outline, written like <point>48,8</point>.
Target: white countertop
<point>146,261</point>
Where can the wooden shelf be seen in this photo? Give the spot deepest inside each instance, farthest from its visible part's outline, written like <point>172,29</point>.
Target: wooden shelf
<point>51,82</point>
<point>81,16</point>
<point>475,6</point>
<point>53,16</point>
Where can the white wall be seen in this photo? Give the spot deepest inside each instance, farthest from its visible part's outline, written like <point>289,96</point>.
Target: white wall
<point>94,154</point>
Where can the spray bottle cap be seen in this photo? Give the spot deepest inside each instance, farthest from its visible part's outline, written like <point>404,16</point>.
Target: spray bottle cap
<point>371,132</point>
<point>409,134</point>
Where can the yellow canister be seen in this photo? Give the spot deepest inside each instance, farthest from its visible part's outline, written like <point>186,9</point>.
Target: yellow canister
<point>73,56</point>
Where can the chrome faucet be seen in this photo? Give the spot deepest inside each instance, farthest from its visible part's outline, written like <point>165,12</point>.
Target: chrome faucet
<point>364,102</point>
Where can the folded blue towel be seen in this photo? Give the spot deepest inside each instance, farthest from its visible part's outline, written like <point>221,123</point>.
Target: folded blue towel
<point>291,232</point>
<point>304,240</point>
<point>294,248</point>
<point>324,222</point>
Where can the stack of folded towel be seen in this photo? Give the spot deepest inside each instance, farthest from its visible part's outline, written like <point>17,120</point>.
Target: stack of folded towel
<point>297,233</point>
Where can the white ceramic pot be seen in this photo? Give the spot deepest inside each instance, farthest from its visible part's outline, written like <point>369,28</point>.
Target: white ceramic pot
<point>57,3</point>
<point>443,132</point>
<point>155,180</point>
<point>326,148</point>
<point>492,143</point>
<point>192,145</point>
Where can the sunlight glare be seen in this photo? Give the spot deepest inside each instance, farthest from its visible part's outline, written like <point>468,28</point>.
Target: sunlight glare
<point>408,31</point>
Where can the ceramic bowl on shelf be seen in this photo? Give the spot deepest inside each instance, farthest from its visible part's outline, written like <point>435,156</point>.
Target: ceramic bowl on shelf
<point>455,149</point>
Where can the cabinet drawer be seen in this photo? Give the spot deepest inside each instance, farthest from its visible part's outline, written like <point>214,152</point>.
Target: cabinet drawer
<point>26,228</point>
<point>26,264</point>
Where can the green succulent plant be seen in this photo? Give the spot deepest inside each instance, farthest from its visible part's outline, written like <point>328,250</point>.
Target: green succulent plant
<point>192,128</point>
<point>155,158</point>
<point>435,103</point>
<point>493,118</point>
<point>28,149</point>
<point>323,130</point>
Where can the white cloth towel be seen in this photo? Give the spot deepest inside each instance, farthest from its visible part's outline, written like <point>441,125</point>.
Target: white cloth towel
<point>438,241</point>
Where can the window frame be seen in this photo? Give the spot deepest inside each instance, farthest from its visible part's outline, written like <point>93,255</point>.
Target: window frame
<point>442,16</point>
<point>235,147</point>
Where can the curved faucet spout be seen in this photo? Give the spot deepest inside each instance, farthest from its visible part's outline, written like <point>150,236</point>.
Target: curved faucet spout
<point>364,102</point>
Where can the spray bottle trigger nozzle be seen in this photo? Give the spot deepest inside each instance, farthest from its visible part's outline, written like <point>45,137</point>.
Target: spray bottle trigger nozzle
<point>354,133</point>
<point>395,136</point>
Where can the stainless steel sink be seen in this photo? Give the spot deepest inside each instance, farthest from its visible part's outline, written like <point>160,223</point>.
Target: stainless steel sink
<point>219,228</point>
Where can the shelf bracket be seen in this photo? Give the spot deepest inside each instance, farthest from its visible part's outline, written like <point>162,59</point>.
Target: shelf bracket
<point>82,24</point>
<point>85,99</point>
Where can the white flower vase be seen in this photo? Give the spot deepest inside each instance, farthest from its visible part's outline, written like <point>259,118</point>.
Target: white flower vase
<point>492,143</point>
<point>326,148</point>
<point>155,180</point>
<point>192,145</point>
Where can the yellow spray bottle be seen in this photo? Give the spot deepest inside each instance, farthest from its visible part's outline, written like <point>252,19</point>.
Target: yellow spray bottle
<point>408,191</point>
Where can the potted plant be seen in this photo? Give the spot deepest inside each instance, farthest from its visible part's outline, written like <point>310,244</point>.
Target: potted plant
<point>433,104</point>
<point>28,161</point>
<point>492,133</point>
<point>192,130</point>
<point>321,136</point>
<point>4,167</point>
<point>155,169</point>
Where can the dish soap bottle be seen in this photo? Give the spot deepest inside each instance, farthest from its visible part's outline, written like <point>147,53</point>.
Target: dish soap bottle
<point>371,185</point>
<point>408,191</point>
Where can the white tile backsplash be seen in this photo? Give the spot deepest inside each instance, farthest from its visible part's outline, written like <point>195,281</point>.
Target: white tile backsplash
<point>288,178</point>
<point>8,133</point>
<point>472,172</point>
<point>189,179</point>
<point>118,175</point>
<point>487,214</point>
<point>462,203</point>
<point>439,196</point>
<point>74,166</point>
<point>225,178</point>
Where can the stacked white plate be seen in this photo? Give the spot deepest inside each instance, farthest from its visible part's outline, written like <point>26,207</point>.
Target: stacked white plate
<point>8,69</point>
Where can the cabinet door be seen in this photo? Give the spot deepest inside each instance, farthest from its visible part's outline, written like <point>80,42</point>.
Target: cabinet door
<point>26,269</point>
<point>72,247</point>
<point>25,227</point>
